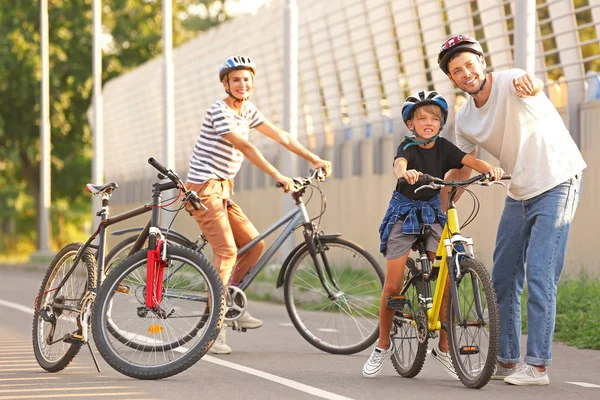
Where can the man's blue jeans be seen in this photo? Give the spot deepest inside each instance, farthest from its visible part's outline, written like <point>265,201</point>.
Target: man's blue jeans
<point>531,241</point>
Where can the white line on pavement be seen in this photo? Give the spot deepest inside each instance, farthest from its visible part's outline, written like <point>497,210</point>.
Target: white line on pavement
<point>264,375</point>
<point>584,384</point>
<point>17,306</point>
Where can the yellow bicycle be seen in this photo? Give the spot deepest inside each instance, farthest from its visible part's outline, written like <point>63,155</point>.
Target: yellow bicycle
<point>472,310</point>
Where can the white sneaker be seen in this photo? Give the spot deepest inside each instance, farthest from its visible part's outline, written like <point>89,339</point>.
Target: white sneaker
<point>501,372</point>
<point>374,364</point>
<point>247,321</point>
<point>220,345</point>
<point>528,375</point>
<point>445,360</point>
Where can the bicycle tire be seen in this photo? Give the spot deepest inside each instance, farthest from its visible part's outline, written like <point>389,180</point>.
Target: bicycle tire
<point>479,336</point>
<point>120,252</point>
<point>305,298</point>
<point>409,352</point>
<point>58,354</point>
<point>118,301</point>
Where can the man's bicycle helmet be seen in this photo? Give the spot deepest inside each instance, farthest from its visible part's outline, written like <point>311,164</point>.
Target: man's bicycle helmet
<point>420,99</point>
<point>236,62</point>
<point>454,45</point>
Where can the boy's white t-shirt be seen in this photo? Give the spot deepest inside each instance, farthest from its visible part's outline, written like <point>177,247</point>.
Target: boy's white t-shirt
<point>526,135</point>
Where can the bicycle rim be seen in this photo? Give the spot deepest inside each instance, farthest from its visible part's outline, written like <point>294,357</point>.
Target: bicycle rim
<point>344,325</point>
<point>148,344</point>
<point>51,351</point>
<point>409,353</point>
<point>474,339</point>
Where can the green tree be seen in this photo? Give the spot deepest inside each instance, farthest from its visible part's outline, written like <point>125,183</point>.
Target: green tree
<point>136,30</point>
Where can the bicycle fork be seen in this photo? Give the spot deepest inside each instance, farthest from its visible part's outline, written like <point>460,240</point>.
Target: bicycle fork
<point>315,248</point>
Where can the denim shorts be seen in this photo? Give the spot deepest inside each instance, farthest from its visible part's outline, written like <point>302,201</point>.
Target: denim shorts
<point>400,243</point>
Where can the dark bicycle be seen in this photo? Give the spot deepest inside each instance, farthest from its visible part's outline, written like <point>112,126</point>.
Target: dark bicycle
<point>332,287</point>
<point>148,313</point>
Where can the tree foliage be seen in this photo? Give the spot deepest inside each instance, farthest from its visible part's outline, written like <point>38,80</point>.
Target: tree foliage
<point>135,29</point>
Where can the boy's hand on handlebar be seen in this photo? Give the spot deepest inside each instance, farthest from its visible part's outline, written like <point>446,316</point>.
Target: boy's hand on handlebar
<point>326,165</point>
<point>495,173</point>
<point>411,176</point>
<point>284,182</point>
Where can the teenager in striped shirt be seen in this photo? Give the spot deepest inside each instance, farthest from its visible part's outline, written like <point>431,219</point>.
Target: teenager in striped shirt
<point>217,157</point>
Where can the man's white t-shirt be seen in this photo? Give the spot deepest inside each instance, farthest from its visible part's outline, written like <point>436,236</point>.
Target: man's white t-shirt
<point>526,135</point>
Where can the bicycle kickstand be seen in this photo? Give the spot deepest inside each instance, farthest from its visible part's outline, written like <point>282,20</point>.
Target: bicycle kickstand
<point>93,357</point>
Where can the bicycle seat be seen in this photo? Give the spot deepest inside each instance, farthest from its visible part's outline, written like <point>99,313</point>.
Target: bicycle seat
<point>98,189</point>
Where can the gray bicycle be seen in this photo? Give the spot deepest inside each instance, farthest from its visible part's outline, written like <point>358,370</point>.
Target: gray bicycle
<point>332,286</point>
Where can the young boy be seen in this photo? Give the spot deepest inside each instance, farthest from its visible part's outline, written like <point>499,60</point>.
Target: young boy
<point>425,114</point>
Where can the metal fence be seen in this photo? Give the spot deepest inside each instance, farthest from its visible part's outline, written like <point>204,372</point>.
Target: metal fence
<point>358,60</point>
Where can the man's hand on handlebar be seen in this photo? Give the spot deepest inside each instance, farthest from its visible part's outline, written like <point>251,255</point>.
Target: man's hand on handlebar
<point>495,173</point>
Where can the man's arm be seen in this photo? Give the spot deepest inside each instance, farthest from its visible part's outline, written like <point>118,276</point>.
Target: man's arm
<point>527,85</point>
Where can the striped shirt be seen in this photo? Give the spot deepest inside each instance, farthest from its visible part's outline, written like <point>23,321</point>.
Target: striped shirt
<point>213,156</point>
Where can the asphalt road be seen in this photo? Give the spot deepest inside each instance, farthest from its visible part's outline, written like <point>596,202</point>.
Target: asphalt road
<point>272,362</point>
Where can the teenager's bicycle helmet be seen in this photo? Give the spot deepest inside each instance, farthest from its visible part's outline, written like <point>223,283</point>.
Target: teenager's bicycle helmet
<point>236,62</point>
<point>457,44</point>
<point>420,99</point>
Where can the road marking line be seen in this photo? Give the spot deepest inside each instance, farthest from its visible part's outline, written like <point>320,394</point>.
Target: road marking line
<point>584,384</point>
<point>277,379</point>
<point>16,306</point>
<point>64,395</point>
<point>264,375</point>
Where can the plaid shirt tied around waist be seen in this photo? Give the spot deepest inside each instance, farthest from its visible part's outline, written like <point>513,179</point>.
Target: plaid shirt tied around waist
<point>405,209</point>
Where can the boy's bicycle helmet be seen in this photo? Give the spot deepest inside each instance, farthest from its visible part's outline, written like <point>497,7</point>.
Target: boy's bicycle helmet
<point>420,99</point>
<point>236,62</point>
<point>457,44</point>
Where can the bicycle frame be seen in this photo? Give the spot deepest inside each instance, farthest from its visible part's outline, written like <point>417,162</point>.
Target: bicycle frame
<point>443,258</point>
<point>100,233</point>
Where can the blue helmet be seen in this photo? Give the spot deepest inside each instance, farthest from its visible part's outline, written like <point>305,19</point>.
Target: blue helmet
<point>236,62</point>
<point>420,99</point>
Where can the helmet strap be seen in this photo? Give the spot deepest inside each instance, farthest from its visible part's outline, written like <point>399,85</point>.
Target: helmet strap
<point>417,140</point>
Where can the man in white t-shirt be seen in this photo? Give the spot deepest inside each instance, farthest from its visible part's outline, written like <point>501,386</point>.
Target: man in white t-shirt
<point>508,115</point>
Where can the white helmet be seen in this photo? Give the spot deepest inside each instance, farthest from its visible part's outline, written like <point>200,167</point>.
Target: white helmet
<point>236,62</point>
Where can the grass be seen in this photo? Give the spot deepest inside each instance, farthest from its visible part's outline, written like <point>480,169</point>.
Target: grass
<point>577,312</point>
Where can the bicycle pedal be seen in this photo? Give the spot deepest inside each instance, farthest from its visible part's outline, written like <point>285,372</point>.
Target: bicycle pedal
<point>123,289</point>
<point>73,338</point>
<point>468,350</point>
<point>396,302</point>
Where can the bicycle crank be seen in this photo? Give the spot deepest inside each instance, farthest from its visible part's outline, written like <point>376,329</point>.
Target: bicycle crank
<point>236,303</point>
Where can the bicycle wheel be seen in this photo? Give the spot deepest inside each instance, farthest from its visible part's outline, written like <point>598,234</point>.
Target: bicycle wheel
<point>348,323</point>
<point>120,251</point>
<point>58,308</point>
<point>474,336</point>
<point>191,313</point>
<point>409,334</point>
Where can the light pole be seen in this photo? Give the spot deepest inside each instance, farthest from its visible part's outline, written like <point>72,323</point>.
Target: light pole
<point>45,184</point>
<point>289,165</point>
<point>98,128</point>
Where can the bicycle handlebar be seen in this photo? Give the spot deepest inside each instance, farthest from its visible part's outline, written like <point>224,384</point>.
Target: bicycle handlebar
<point>432,182</point>
<point>300,183</point>
<point>190,195</point>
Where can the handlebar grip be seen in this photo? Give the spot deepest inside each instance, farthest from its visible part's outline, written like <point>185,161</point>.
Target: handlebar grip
<point>423,180</point>
<point>506,177</point>
<point>195,203</point>
<point>158,166</point>
<point>279,185</point>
